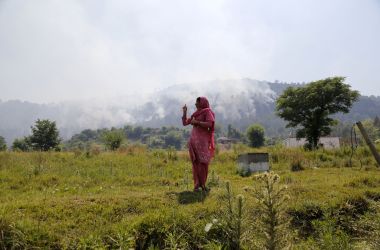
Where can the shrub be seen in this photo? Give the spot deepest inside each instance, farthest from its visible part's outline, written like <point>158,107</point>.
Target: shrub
<point>365,182</point>
<point>45,135</point>
<point>113,139</point>
<point>136,149</point>
<point>348,211</point>
<point>243,171</point>
<point>3,145</point>
<point>323,157</point>
<point>364,152</point>
<point>13,236</point>
<point>375,196</point>
<point>302,218</point>
<point>369,228</point>
<point>95,149</point>
<point>172,154</point>
<point>166,230</point>
<point>255,135</point>
<point>22,144</point>
<point>213,180</point>
<point>329,237</point>
<point>274,157</point>
<point>5,234</point>
<point>296,165</point>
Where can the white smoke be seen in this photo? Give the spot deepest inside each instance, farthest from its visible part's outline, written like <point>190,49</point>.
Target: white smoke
<point>230,99</point>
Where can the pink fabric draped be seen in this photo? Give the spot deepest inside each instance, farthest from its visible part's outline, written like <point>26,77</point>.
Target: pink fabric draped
<point>201,143</point>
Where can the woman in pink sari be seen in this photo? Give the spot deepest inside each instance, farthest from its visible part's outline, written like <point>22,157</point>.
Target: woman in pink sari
<point>201,143</point>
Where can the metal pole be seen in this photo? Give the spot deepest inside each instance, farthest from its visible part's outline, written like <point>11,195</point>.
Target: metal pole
<point>369,143</point>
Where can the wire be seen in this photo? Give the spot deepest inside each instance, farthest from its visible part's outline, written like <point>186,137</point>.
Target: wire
<point>354,147</point>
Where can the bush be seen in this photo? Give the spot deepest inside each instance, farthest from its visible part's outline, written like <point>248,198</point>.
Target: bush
<point>348,211</point>
<point>3,145</point>
<point>26,237</point>
<point>302,218</point>
<point>364,182</point>
<point>296,166</point>
<point>133,149</point>
<point>328,237</point>
<point>166,230</point>
<point>95,149</point>
<point>22,144</point>
<point>113,139</point>
<point>172,154</point>
<point>369,228</point>
<point>243,171</point>
<point>45,136</point>
<point>375,196</point>
<point>255,135</point>
<point>6,232</point>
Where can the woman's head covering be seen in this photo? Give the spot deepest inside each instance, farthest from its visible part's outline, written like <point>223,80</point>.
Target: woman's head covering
<point>203,102</point>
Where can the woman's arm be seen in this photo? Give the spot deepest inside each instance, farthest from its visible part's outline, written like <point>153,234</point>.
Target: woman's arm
<point>205,122</point>
<point>202,124</point>
<point>185,121</point>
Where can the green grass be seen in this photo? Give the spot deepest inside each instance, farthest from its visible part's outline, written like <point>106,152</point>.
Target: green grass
<point>79,200</point>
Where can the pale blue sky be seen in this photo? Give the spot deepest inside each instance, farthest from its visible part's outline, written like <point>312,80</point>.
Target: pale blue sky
<point>57,50</point>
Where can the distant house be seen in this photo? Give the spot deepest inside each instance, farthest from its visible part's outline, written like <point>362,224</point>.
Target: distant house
<point>225,140</point>
<point>225,143</point>
<point>325,142</point>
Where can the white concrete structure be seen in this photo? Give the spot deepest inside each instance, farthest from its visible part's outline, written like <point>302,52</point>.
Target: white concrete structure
<point>253,162</point>
<point>325,142</point>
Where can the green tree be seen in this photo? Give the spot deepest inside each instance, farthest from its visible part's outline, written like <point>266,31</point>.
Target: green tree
<point>113,139</point>
<point>173,139</point>
<point>234,133</point>
<point>376,122</point>
<point>22,144</point>
<point>255,134</point>
<point>3,144</point>
<point>308,108</point>
<point>45,135</point>
<point>156,142</point>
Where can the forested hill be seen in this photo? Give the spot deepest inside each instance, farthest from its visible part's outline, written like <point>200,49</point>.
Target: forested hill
<point>236,102</point>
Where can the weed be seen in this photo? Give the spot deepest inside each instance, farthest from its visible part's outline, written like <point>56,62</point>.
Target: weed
<point>227,230</point>
<point>273,220</point>
<point>213,180</point>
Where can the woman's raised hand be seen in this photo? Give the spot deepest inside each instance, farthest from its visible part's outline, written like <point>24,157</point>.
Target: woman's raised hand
<point>184,109</point>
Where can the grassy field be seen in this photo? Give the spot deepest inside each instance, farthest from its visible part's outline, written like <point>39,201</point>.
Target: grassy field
<point>139,198</point>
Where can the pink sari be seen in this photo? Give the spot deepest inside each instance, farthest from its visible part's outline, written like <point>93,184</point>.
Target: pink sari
<point>201,143</point>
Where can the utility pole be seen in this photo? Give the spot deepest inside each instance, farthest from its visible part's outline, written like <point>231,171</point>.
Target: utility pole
<point>369,143</point>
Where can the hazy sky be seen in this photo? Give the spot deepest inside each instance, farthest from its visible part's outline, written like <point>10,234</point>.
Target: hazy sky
<point>57,50</point>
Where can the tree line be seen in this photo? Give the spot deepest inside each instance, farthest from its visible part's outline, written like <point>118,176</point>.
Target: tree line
<point>45,137</point>
<point>308,109</point>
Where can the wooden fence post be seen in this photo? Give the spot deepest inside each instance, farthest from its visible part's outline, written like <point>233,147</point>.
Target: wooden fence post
<point>369,143</point>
